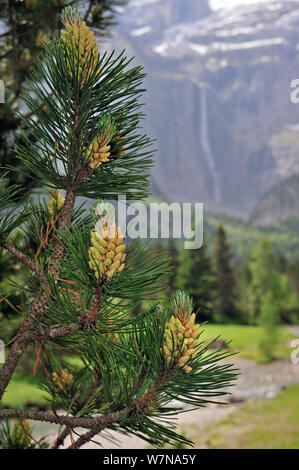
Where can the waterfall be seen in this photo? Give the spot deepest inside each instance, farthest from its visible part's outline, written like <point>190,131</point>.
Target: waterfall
<point>206,146</point>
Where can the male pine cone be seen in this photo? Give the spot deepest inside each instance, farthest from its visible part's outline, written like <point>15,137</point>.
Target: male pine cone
<point>99,150</point>
<point>81,44</point>
<point>106,256</point>
<point>181,339</point>
<point>56,202</point>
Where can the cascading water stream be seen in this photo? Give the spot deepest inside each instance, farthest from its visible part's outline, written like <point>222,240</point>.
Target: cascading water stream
<point>206,146</point>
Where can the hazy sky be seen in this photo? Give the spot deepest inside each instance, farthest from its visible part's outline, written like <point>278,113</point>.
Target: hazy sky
<point>215,4</point>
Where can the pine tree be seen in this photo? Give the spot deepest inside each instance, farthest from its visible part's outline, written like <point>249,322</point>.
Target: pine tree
<point>195,276</point>
<point>269,319</point>
<point>27,24</point>
<point>225,292</point>
<point>84,276</point>
<point>264,277</point>
<point>266,294</point>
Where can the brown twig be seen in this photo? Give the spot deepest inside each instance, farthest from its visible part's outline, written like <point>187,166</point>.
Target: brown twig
<point>27,261</point>
<point>56,332</point>
<point>98,423</point>
<point>38,307</point>
<point>89,318</point>
<point>86,437</point>
<point>50,417</point>
<point>60,438</point>
<point>91,3</point>
<point>6,33</point>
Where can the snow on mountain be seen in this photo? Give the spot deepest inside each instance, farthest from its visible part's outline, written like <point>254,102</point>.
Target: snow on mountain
<point>218,94</point>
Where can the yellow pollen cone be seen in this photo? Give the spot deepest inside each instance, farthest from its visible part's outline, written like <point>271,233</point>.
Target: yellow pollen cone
<point>55,202</point>
<point>181,338</point>
<point>80,42</point>
<point>102,258</point>
<point>98,152</point>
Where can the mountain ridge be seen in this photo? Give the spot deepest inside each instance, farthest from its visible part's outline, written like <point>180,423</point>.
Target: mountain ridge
<point>218,92</point>
<point>279,204</point>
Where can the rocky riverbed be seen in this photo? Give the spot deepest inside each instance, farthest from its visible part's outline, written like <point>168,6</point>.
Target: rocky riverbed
<point>262,381</point>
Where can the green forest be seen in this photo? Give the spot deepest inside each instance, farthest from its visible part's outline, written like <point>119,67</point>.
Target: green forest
<point>105,338</point>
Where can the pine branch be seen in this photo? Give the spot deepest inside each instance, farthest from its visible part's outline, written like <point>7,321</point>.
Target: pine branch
<point>47,416</point>
<point>40,305</point>
<point>7,33</point>
<point>25,336</point>
<point>137,407</point>
<point>60,438</point>
<point>66,330</point>
<point>88,319</point>
<point>18,347</point>
<point>86,437</point>
<point>64,222</point>
<point>88,11</point>
<point>23,339</point>
<point>27,261</point>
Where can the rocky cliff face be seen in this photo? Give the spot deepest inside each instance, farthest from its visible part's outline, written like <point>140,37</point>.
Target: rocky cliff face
<point>218,95</point>
<point>278,205</point>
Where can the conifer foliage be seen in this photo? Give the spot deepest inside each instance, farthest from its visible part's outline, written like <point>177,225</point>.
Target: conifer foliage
<point>195,276</point>
<point>125,371</point>
<point>225,293</point>
<point>25,26</point>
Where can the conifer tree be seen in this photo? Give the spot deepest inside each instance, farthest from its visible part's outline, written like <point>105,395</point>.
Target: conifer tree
<point>84,276</point>
<point>268,284</point>
<point>266,294</point>
<point>195,276</point>
<point>225,292</point>
<point>26,25</point>
<point>265,278</point>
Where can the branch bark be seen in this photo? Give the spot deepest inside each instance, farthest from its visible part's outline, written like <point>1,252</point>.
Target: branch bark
<point>60,439</point>
<point>70,421</point>
<point>27,334</point>
<point>88,11</point>
<point>94,424</point>
<point>56,332</point>
<point>86,437</point>
<point>89,318</point>
<point>23,337</point>
<point>27,261</point>
<point>137,407</point>
<point>6,33</point>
